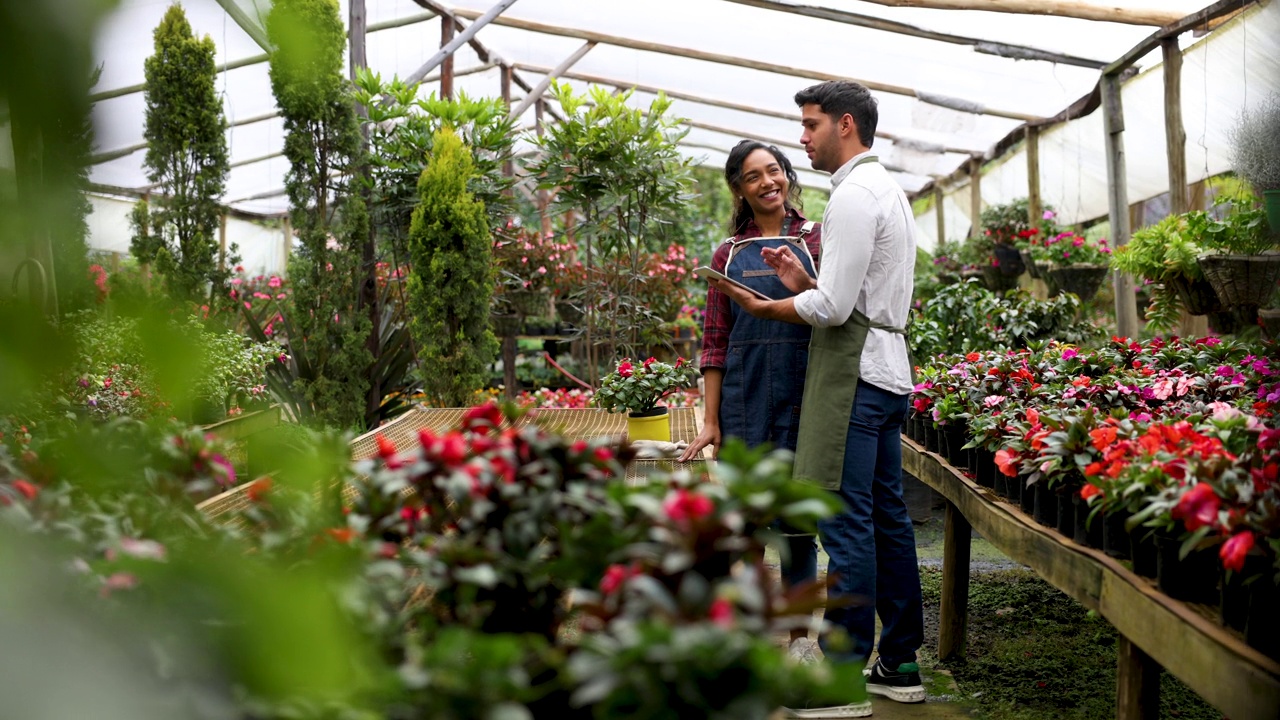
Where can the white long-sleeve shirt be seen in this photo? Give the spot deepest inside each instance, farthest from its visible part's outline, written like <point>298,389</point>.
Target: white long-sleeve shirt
<point>868,257</point>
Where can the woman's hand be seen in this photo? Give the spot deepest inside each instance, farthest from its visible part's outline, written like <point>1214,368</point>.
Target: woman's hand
<point>709,435</point>
<point>790,271</point>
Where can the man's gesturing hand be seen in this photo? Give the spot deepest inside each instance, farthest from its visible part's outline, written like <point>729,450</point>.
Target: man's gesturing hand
<point>790,271</point>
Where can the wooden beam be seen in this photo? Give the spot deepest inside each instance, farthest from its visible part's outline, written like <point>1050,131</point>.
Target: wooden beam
<point>1137,683</point>
<point>508,165</point>
<point>618,41</point>
<point>356,22</point>
<point>1058,8</point>
<point>535,94</point>
<point>109,155</point>
<point>1118,201</point>
<point>1173,28</point>
<point>712,102</point>
<point>975,196</point>
<point>989,47</point>
<point>1034,212</point>
<point>445,62</point>
<point>1175,133</point>
<point>447,48</point>
<point>222,242</point>
<point>953,606</point>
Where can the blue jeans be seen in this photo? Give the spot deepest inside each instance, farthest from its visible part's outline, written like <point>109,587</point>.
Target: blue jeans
<point>871,544</point>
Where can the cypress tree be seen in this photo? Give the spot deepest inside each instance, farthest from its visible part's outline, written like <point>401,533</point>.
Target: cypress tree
<point>186,160</point>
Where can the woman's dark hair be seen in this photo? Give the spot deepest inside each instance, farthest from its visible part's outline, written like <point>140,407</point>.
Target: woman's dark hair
<point>837,98</point>
<point>742,213</point>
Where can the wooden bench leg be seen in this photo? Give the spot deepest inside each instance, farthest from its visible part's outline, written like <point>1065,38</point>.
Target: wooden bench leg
<point>954,608</point>
<point>1137,683</point>
<point>509,365</point>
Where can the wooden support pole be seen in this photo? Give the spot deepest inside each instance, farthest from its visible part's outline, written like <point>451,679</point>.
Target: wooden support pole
<point>953,610</point>
<point>222,243</point>
<point>509,366</point>
<point>1189,326</point>
<point>1035,210</point>
<point>448,24</point>
<point>535,95</point>
<point>286,246</point>
<point>975,196</point>
<point>446,65</point>
<point>1118,201</point>
<point>1110,12</point>
<point>939,210</point>
<point>1137,683</point>
<point>508,166</point>
<point>544,200</point>
<point>357,21</point>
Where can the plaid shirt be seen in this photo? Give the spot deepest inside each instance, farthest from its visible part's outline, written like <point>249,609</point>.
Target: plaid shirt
<point>717,320</point>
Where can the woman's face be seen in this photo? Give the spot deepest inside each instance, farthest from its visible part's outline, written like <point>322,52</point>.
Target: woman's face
<point>763,183</point>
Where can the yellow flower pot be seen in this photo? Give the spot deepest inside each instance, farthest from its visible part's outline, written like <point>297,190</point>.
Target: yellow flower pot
<point>655,425</point>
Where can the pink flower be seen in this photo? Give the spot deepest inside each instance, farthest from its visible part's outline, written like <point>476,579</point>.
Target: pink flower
<point>1007,462</point>
<point>142,549</point>
<point>1198,507</point>
<point>721,613</point>
<point>614,577</point>
<point>119,581</point>
<point>683,506</point>
<point>274,282</point>
<point>1235,549</point>
<point>625,368</point>
<point>1048,215</point>
<point>1069,353</point>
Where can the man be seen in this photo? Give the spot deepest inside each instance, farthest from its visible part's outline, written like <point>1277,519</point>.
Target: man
<point>856,388</point>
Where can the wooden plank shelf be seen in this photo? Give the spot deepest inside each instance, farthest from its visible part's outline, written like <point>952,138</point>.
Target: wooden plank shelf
<point>1238,680</point>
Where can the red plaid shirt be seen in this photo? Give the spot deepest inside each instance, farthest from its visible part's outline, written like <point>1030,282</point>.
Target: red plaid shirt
<point>717,320</point>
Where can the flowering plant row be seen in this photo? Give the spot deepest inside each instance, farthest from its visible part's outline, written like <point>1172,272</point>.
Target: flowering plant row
<point>1177,436</point>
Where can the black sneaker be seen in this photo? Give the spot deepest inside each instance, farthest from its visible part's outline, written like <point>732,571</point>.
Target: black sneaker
<point>901,685</point>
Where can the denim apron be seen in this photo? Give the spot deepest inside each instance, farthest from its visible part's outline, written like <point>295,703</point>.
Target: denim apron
<point>831,384</point>
<point>765,365</point>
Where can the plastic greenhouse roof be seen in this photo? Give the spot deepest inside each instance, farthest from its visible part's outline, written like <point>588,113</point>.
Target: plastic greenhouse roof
<point>921,139</point>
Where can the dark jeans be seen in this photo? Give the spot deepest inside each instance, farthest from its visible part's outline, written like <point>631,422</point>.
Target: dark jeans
<point>871,544</point>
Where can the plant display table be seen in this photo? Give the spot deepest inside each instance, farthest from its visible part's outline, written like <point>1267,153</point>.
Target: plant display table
<point>576,423</point>
<point>1156,630</point>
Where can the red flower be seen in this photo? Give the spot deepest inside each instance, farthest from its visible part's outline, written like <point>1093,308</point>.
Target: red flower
<point>1102,437</point>
<point>1089,491</point>
<point>1234,550</point>
<point>625,368</point>
<point>603,454</point>
<point>258,489</point>
<point>453,449</point>
<point>342,535</point>
<point>387,451</point>
<point>426,438</point>
<point>28,490</point>
<point>1198,507</point>
<point>721,613</point>
<point>482,417</point>
<point>649,362</point>
<point>683,506</point>
<point>1007,462</point>
<point>614,577</point>
<point>973,357</point>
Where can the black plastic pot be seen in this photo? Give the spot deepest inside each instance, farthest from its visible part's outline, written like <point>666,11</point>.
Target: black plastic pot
<point>932,439</point>
<point>1142,546</point>
<point>1193,578</point>
<point>985,470</point>
<point>1262,627</point>
<point>1026,496</point>
<point>1012,488</point>
<point>1066,525</point>
<point>1115,539</point>
<point>1045,509</point>
<point>1087,531</point>
<point>1237,589</point>
<point>954,438</point>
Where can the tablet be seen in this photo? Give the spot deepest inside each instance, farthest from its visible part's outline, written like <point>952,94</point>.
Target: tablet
<point>705,272</point>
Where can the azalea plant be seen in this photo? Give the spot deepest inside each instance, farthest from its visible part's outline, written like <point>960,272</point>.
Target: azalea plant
<point>639,389</point>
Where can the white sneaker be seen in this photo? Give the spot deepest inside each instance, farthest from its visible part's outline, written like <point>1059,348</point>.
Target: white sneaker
<point>803,651</point>
<point>856,710</point>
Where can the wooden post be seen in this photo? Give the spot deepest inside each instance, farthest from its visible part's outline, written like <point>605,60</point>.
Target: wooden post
<point>975,195</point>
<point>508,166</point>
<point>509,365</point>
<point>1189,326</point>
<point>953,612</point>
<point>1035,212</point>
<point>1137,683</point>
<point>287,245</point>
<point>357,21</point>
<point>544,220</point>
<point>939,209</point>
<point>1118,201</point>
<point>222,242</point>
<point>446,67</point>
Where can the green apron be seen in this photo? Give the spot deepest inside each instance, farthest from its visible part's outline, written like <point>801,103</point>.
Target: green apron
<point>830,388</point>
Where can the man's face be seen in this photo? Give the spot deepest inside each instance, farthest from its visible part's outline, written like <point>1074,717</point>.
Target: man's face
<point>820,138</point>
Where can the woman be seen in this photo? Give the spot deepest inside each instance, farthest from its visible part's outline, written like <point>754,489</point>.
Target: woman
<point>753,370</point>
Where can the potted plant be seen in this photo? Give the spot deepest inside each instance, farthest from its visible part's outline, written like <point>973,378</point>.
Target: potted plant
<point>638,389</point>
<point>1256,155</point>
<point>1012,230</point>
<point>1165,254</point>
<point>1241,260</point>
<point>1075,263</point>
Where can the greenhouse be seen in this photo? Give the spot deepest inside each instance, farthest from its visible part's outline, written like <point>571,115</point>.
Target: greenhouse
<point>381,359</point>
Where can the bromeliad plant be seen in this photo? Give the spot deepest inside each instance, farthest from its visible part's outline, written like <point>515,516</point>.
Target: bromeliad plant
<point>639,388</point>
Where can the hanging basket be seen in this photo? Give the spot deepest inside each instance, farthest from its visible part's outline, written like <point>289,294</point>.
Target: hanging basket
<point>1010,259</point>
<point>531,303</point>
<point>1271,201</point>
<point>1242,279</point>
<point>996,281</point>
<point>1198,296</point>
<point>1081,280</point>
<point>652,425</point>
<point>505,325</point>
<point>1270,322</point>
<point>1032,268</point>
<point>569,312</point>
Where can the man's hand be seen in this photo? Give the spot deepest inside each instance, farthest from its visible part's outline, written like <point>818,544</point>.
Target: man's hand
<point>749,302</point>
<point>790,271</point>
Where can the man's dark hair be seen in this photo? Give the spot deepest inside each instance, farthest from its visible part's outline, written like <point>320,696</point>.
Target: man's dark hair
<point>838,97</point>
